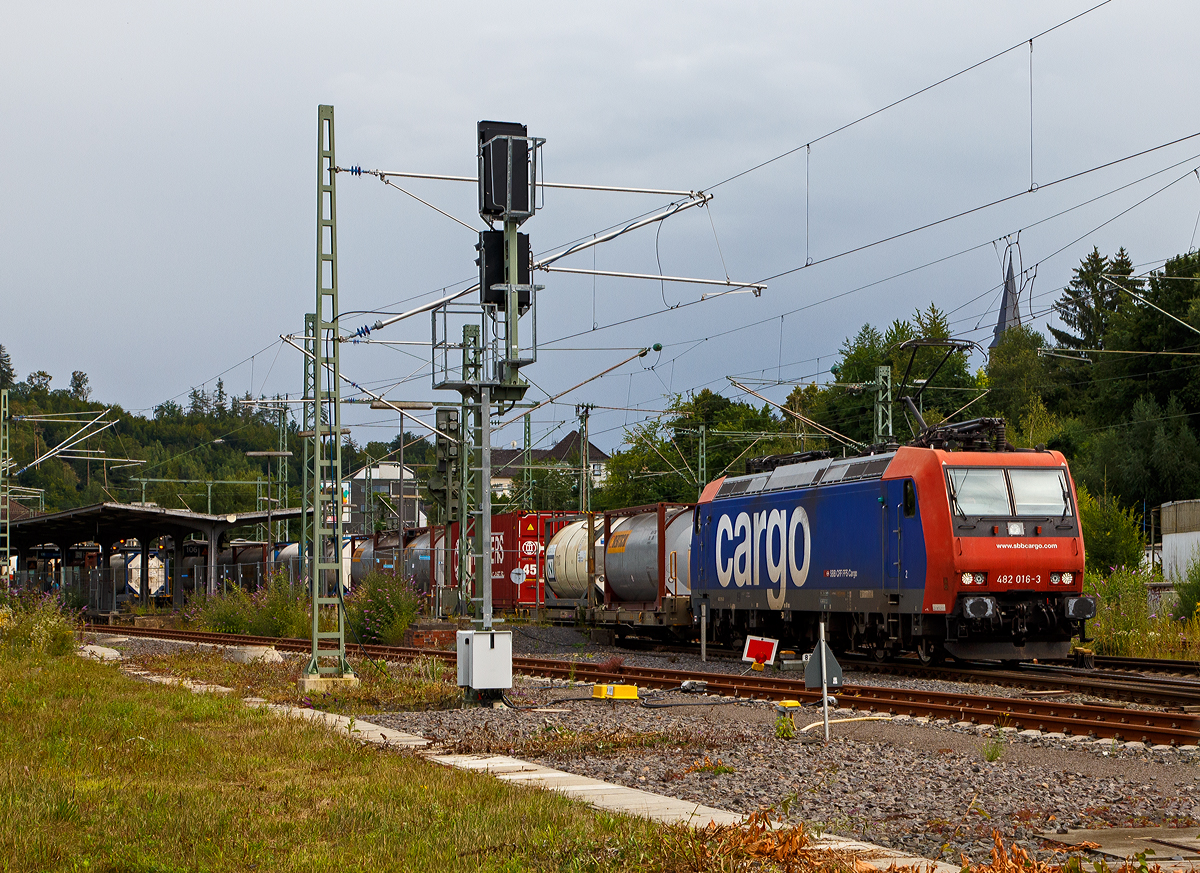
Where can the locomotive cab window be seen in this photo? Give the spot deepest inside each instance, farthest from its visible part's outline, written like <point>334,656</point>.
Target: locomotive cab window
<point>1021,491</point>
<point>979,491</point>
<point>1040,492</point>
<point>910,499</point>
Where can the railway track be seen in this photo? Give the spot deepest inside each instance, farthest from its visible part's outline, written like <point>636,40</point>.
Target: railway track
<point>1158,690</point>
<point>1147,726</point>
<point>1154,665</point>
<point>1174,683</point>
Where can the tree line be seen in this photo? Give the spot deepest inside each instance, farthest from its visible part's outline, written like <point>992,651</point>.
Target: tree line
<point>187,445</point>
<point>1115,389</point>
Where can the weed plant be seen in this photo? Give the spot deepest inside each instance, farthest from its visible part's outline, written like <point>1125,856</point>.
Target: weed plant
<point>785,726</point>
<point>1124,624</point>
<point>716,768</point>
<point>37,623</point>
<point>1187,590</point>
<point>279,608</point>
<point>381,607</point>
<point>993,748</point>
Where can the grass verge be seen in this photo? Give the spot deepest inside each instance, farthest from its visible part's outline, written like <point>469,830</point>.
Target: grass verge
<point>103,773</point>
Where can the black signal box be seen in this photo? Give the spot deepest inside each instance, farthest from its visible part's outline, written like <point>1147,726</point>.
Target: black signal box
<point>494,169</point>
<point>491,268</point>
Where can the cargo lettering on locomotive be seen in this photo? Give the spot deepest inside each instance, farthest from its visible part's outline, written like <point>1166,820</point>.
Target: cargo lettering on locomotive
<point>768,540</point>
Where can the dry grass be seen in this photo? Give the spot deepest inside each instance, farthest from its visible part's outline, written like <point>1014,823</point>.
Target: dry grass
<point>1017,860</point>
<point>424,682</point>
<point>557,741</point>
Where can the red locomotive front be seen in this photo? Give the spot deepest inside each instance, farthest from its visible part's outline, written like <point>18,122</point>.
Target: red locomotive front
<point>1005,550</point>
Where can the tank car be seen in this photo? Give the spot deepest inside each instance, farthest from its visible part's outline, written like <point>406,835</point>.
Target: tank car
<point>975,554</point>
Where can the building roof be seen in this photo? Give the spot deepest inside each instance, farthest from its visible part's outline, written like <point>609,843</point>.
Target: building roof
<point>385,470</point>
<point>566,448</point>
<point>1010,310</point>
<point>109,522</point>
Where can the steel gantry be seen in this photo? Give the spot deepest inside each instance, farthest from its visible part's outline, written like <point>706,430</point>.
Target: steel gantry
<point>324,449</point>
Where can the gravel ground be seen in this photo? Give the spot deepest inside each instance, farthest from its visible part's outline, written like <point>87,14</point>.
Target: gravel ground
<point>920,787</point>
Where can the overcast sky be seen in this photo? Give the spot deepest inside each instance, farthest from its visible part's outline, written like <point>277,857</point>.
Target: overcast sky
<point>158,203</point>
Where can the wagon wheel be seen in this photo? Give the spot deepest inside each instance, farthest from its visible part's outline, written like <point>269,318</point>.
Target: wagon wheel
<point>929,652</point>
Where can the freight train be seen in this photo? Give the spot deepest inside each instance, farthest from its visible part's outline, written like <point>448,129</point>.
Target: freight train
<point>955,545</point>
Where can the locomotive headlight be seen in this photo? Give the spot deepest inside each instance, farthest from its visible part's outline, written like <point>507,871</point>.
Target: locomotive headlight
<point>1055,578</point>
<point>968,578</point>
<point>980,578</point>
<point>1068,578</point>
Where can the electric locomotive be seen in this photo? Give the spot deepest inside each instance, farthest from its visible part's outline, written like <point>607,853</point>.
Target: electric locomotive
<point>957,544</point>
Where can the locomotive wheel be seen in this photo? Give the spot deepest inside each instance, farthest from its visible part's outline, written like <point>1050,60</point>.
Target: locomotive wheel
<point>881,654</point>
<point>928,652</point>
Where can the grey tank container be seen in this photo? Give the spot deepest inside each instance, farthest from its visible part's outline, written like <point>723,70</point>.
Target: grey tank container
<point>632,574</point>
<point>423,563</point>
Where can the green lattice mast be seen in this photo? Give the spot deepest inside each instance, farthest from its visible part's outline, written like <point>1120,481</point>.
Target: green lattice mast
<point>325,444</point>
<point>5,481</point>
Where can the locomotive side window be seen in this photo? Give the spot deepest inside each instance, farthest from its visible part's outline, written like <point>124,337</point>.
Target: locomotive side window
<point>1040,492</point>
<point>979,492</point>
<point>910,499</point>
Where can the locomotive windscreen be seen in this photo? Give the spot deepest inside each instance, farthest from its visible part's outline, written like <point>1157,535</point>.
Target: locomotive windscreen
<point>1040,492</point>
<point>1024,491</point>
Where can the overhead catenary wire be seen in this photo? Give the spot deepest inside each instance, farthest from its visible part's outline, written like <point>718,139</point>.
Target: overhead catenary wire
<point>371,394</point>
<point>698,199</point>
<point>641,354</point>
<point>802,418</point>
<point>808,145</point>
<point>909,232</point>
<point>965,251</point>
<point>772,317</point>
<point>442,177</point>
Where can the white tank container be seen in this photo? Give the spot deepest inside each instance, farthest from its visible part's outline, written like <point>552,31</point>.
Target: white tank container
<point>566,561</point>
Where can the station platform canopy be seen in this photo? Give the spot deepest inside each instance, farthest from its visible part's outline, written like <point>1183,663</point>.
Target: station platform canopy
<point>107,523</point>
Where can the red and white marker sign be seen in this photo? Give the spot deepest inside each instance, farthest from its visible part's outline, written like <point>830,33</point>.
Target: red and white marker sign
<point>760,650</point>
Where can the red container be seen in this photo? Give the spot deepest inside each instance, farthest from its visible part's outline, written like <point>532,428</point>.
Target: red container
<point>518,544</point>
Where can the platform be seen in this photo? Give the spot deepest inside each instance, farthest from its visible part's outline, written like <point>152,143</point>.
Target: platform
<point>1173,848</point>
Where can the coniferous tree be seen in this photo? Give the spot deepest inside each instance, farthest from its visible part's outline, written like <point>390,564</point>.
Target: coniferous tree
<point>8,376</point>
<point>1090,299</point>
